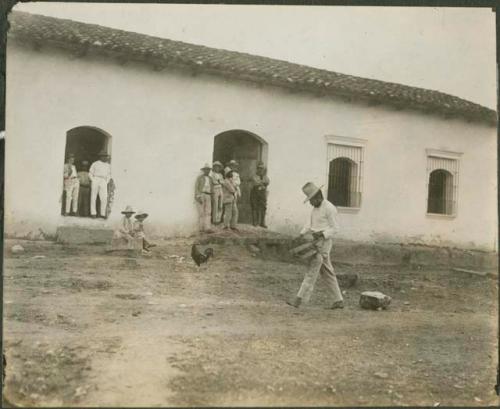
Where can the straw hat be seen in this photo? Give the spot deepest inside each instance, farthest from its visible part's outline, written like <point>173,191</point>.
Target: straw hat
<point>129,210</point>
<point>141,213</point>
<point>310,189</point>
<point>206,166</point>
<point>232,162</point>
<point>103,154</point>
<point>217,163</point>
<point>260,164</point>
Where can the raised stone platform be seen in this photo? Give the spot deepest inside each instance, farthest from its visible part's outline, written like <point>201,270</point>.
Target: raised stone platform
<point>268,244</point>
<point>84,235</point>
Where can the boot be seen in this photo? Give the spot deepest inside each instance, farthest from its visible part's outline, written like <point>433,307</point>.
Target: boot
<point>295,302</point>
<point>255,218</point>
<point>337,305</point>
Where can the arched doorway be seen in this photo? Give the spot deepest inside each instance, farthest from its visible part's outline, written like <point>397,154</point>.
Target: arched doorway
<point>85,143</point>
<point>247,149</point>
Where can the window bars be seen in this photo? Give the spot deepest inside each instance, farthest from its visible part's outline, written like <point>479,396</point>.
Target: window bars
<point>345,175</point>
<point>442,185</point>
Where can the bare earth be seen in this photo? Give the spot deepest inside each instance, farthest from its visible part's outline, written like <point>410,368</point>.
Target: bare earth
<point>85,328</point>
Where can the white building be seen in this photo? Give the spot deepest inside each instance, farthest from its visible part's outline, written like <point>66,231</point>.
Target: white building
<point>403,164</point>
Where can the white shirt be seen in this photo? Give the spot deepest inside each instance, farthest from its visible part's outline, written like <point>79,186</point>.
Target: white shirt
<point>323,219</point>
<point>100,169</point>
<point>206,185</point>
<point>217,178</point>
<point>72,173</point>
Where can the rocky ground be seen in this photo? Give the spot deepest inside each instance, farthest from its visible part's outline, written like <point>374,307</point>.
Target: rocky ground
<point>83,327</point>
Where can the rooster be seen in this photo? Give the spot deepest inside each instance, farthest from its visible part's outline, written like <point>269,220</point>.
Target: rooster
<point>199,257</point>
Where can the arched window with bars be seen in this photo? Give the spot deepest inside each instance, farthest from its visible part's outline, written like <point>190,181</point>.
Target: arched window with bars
<point>342,183</point>
<point>345,171</point>
<point>440,197</point>
<point>442,185</point>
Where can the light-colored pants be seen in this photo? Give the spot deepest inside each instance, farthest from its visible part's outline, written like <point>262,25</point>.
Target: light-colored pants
<point>99,187</point>
<point>204,212</point>
<point>320,263</point>
<point>217,204</point>
<point>230,214</point>
<point>72,186</point>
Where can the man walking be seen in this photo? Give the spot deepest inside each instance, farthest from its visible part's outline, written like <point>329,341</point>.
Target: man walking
<point>71,186</point>
<point>217,179</point>
<point>322,225</point>
<point>258,196</point>
<point>203,197</point>
<point>99,174</point>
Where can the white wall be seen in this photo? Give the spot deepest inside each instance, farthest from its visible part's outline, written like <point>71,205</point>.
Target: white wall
<point>163,125</point>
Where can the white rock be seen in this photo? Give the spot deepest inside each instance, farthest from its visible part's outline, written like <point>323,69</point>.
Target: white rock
<point>374,300</point>
<point>17,248</point>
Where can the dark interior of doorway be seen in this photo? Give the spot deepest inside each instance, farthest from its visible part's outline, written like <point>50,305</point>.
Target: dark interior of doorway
<point>85,143</point>
<point>246,149</point>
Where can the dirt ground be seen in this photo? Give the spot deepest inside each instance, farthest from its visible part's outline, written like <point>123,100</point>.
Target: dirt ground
<point>87,328</point>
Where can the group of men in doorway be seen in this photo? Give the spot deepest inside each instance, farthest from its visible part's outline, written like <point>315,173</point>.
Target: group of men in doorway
<point>83,187</point>
<point>218,192</point>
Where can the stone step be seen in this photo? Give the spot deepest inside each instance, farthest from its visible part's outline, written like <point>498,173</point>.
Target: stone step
<point>83,235</point>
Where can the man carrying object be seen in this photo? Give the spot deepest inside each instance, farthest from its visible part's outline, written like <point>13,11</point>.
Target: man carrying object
<point>322,225</point>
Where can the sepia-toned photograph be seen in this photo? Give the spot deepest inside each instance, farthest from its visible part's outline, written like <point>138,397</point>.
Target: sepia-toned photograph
<point>249,205</point>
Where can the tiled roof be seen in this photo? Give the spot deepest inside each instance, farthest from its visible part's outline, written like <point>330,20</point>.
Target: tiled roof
<point>160,52</point>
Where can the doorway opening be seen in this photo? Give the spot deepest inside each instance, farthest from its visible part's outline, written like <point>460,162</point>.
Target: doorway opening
<point>247,149</point>
<point>85,143</point>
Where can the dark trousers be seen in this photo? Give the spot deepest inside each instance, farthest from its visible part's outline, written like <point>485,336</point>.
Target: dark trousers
<point>258,202</point>
<point>84,201</point>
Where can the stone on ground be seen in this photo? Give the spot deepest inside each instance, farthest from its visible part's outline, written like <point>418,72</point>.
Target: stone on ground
<point>373,300</point>
<point>17,248</point>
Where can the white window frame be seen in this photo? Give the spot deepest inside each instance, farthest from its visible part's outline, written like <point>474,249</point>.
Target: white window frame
<point>349,142</point>
<point>450,155</point>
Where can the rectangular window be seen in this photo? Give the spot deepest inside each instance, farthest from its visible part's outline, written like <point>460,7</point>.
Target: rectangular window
<point>442,182</point>
<point>345,171</point>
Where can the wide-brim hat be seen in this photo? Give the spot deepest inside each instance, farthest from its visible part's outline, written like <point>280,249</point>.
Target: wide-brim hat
<point>103,154</point>
<point>217,163</point>
<point>141,213</point>
<point>260,165</point>
<point>206,166</point>
<point>128,209</point>
<point>233,162</point>
<point>310,189</point>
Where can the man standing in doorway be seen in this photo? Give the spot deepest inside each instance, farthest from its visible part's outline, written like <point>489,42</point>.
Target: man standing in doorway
<point>84,194</point>
<point>71,186</point>
<point>203,197</point>
<point>234,167</point>
<point>217,179</point>
<point>229,198</point>
<point>99,174</point>
<point>322,225</point>
<point>258,196</point>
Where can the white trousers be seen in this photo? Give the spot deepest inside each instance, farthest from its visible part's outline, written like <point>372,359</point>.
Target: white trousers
<point>72,187</point>
<point>321,264</point>
<point>99,187</point>
<point>204,212</point>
